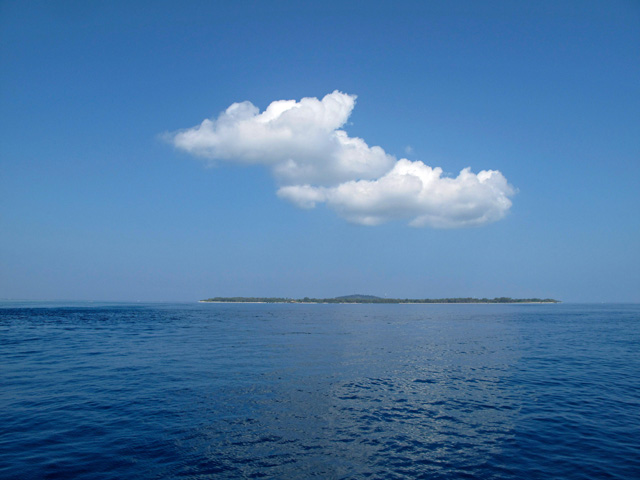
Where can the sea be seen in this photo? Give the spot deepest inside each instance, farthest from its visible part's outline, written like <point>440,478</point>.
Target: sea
<point>297,391</point>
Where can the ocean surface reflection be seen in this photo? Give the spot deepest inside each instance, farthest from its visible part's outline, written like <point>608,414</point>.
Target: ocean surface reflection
<point>325,391</point>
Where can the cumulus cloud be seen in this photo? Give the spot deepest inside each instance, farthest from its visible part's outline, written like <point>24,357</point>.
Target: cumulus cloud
<point>315,161</point>
<point>414,191</point>
<point>300,141</point>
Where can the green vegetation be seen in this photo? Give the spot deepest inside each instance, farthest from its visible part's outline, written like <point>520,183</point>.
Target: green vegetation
<point>373,299</point>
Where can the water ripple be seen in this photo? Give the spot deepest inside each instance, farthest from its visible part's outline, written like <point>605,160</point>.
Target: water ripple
<point>320,391</point>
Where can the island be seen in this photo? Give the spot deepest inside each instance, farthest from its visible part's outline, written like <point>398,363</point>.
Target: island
<point>373,299</point>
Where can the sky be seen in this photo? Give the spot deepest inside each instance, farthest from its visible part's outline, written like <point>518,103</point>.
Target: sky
<point>174,151</point>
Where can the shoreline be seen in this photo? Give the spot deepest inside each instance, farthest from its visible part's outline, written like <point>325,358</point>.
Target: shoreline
<point>388,303</point>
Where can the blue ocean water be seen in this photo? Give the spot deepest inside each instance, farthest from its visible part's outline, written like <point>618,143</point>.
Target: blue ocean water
<point>204,391</point>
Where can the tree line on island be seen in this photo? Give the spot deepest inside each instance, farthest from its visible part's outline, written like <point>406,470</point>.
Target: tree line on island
<point>374,299</point>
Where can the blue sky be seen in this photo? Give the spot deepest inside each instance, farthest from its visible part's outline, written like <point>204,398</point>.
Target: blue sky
<point>99,202</point>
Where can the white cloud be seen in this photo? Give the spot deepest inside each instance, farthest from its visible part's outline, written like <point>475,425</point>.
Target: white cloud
<point>300,141</point>
<point>414,191</point>
<point>317,162</point>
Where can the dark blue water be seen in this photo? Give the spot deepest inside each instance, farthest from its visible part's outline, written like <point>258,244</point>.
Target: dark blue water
<point>320,391</point>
